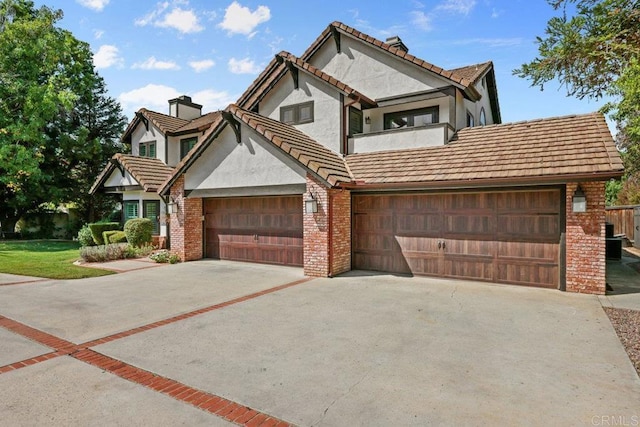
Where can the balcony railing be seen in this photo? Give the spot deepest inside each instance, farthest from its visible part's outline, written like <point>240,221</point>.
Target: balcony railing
<point>395,139</point>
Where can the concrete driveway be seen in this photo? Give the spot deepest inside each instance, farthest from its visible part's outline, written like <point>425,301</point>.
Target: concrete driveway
<point>212,342</point>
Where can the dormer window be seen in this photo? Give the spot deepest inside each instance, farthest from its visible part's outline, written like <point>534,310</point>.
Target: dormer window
<point>147,149</point>
<point>297,114</point>
<point>411,118</point>
<point>186,145</point>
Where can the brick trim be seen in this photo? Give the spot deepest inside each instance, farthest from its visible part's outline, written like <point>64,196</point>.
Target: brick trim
<point>186,227</point>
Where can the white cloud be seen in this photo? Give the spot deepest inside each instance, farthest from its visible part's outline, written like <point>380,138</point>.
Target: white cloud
<point>212,100</point>
<point>240,19</point>
<point>462,7</point>
<point>421,20</point>
<point>153,64</point>
<point>156,97</point>
<point>171,15</point>
<point>495,13</point>
<point>243,66</point>
<point>200,66</point>
<point>96,5</point>
<point>98,34</point>
<point>107,56</point>
<point>151,96</point>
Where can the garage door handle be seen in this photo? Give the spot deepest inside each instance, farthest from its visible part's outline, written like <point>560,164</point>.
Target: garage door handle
<point>443,245</point>
<point>439,245</point>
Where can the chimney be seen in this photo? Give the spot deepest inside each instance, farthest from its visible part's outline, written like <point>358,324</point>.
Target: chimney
<point>183,108</point>
<point>396,42</point>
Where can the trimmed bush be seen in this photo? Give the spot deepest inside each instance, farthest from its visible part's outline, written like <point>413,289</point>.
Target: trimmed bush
<point>84,237</point>
<point>114,236</point>
<point>103,252</point>
<point>138,231</point>
<point>100,227</point>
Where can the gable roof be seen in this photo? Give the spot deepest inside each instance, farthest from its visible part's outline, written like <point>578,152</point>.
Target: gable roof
<point>538,151</point>
<point>273,72</point>
<point>170,125</point>
<point>311,70</point>
<point>149,172</point>
<point>473,72</point>
<point>458,80</point>
<point>309,153</point>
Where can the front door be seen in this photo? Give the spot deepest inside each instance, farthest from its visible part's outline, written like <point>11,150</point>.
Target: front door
<point>151,210</point>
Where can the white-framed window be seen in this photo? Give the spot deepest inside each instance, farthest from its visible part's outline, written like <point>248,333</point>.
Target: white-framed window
<point>147,149</point>
<point>130,209</point>
<point>483,117</point>
<point>470,119</point>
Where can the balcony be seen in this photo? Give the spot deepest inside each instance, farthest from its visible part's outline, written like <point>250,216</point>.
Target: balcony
<point>396,139</point>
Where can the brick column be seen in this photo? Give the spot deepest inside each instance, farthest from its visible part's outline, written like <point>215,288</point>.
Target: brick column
<point>327,233</point>
<point>585,242</point>
<point>186,225</point>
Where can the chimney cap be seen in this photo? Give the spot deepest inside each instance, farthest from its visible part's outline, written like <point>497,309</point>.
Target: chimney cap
<point>396,41</point>
<point>184,100</point>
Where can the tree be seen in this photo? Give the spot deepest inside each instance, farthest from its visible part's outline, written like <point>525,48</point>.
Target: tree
<point>594,53</point>
<point>57,125</point>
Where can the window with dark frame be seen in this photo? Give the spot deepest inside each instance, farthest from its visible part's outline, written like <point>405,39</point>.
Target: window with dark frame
<point>186,145</point>
<point>130,209</point>
<point>411,118</point>
<point>470,120</point>
<point>355,121</point>
<point>297,114</point>
<point>147,149</point>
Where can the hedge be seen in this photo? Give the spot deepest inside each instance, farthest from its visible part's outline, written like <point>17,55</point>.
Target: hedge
<point>138,231</point>
<point>100,227</point>
<point>114,236</point>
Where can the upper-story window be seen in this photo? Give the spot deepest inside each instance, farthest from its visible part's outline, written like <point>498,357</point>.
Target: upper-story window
<point>410,118</point>
<point>297,114</point>
<point>147,149</point>
<point>483,117</point>
<point>470,120</point>
<point>186,145</point>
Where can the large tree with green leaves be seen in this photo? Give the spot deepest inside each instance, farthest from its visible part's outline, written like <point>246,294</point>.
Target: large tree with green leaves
<point>57,124</point>
<point>593,50</point>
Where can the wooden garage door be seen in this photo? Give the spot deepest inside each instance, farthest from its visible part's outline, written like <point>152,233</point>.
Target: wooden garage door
<point>256,229</point>
<point>507,237</point>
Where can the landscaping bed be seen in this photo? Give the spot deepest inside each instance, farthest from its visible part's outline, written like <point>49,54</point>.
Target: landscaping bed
<point>627,325</point>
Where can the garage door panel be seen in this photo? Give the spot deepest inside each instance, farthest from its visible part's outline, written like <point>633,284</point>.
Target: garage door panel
<point>510,237</point>
<point>255,229</point>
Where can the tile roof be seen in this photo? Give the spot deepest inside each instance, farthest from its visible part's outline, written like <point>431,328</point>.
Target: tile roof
<point>327,164</point>
<point>342,87</point>
<point>572,147</point>
<point>149,172</point>
<point>164,122</point>
<point>345,29</point>
<point>472,72</point>
<point>199,124</point>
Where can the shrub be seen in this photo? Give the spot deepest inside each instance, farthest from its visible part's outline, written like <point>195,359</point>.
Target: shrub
<point>165,256</point>
<point>114,236</point>
<point>139,252</point>
<point>84,237</point>
<point>138,231</point>
<point>100,227</point>
<point>103,252</point>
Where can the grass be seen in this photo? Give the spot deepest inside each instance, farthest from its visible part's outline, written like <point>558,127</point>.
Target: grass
<point>44,258</point>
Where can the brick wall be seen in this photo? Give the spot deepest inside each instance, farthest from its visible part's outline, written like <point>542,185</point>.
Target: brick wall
<point>585,243</point>
<point>327,243</point>
<point>186,226</point>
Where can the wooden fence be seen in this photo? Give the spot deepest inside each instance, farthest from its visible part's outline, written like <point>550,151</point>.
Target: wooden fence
<point>622,219</point>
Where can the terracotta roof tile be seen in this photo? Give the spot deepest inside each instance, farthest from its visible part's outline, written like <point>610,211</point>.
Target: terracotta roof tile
<point>149,172</point>
<point>201,123</point>
<point>325,163</point>
<point>164,122</point>
<point>472,72</point>
<point>526,151</point>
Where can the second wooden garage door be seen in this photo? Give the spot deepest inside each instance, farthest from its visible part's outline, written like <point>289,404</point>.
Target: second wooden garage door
<point>508,237</point>
<point>256,229</point>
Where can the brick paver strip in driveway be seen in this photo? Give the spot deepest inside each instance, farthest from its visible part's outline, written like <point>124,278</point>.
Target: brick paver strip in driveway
<point>219,406</point>
<point>384,350</point>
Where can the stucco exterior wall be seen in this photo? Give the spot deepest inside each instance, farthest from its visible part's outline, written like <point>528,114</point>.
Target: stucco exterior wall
<point>117,180</point>
<point>173,151</point>
<point>253,163</point>
<point>141,134</point>
<point>374,73</point>
<point>325,128</point>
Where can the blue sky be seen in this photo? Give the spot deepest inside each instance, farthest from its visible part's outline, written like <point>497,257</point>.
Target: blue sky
<point>149,52</point>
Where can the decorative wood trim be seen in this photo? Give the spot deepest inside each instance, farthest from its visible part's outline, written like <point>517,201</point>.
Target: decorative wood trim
<point>235,125</point>
<point>336,37</point>
<point>143,119</point>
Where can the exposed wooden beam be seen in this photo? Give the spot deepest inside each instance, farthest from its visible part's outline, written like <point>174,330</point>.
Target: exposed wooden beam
<point>235,125</point>
<point>336,37</point>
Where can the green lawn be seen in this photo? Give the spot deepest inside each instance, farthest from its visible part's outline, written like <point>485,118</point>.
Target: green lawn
<point>42,258</point>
